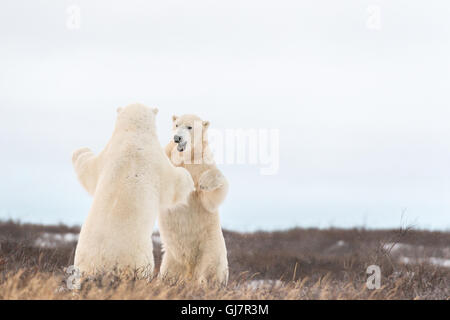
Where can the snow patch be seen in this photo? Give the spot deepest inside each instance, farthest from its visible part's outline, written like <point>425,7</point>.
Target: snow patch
<point>441,262</point>
<point>53,240</point>
<point>340,243</point>
<point>264,284</point>
<point>395,247</point>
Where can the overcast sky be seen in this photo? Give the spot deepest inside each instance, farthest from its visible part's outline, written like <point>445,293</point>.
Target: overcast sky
<point>361,102</point>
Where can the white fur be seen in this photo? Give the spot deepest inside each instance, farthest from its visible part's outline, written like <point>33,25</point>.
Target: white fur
<point>130,180</point>
<point>193,243</point>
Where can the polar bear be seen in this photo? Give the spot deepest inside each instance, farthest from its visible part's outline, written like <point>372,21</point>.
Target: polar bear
<point>130,181</point>
<point>191,235</point>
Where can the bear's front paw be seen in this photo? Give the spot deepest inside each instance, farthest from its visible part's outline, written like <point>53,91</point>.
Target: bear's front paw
<point>211,180</point>
<point>78,153</point>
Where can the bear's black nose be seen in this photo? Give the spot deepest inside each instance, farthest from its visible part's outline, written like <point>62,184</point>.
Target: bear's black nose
<point>177,139</point>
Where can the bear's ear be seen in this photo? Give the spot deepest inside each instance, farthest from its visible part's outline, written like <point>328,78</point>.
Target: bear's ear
<point>119,110</point>
<point>155,111</point>
<point>205,124</point>
<point>174,118</point>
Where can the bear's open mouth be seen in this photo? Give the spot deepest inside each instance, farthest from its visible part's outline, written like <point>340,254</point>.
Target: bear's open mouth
<point>181,146</point>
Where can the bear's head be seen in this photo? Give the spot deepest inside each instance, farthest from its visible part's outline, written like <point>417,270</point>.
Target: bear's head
<point>136,117</point>
<point>189,132</point>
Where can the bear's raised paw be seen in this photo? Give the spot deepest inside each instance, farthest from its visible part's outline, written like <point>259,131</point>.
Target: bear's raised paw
<point>76,155</point>
<point>211,180</point>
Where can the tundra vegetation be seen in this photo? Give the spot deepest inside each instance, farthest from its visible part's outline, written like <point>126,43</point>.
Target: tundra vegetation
<point>292,264</point>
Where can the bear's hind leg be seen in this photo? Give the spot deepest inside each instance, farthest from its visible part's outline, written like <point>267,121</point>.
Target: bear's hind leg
<point>171,270</point>
<point>211,271</point>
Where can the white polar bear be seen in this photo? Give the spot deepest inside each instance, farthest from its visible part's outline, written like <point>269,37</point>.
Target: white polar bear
<point>192,239</point>
<point>131,180</point>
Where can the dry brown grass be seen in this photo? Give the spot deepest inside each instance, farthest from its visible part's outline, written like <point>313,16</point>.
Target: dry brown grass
<point>308,264</point>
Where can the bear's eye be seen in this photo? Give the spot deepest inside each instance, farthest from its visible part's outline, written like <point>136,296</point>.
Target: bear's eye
<point>176,125</point>
<point>189,128</point>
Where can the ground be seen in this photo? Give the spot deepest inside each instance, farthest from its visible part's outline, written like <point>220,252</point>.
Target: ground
<point>293,264</point>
